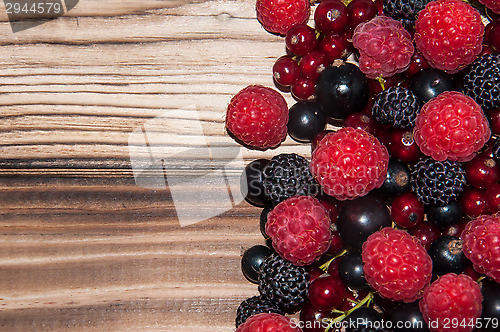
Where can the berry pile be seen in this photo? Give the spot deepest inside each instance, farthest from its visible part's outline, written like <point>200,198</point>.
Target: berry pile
<point>393,223</point>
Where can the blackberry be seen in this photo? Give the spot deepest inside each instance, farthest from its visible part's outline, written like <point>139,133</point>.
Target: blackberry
<point>437,182</point>
<point>397,107</point>
<point>482,81</point>
<point>284,284</point>
<point>288,175</point>
<point>255,305</point>
<point>405,11</point>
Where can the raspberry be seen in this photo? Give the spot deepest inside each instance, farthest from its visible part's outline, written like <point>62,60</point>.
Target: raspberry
<point>452,303</point>
<point>299,228</point>
<point>481,244</point>
<point>349,163</point>
<point>278,16</point>
<point>384,45</point>
<point>283,283</point>
<point>396,265</point>
<point>451,126</point>
<point>494,5</point>
<point>449,34</point>
<point>268,322</point>
<point>258,117</point>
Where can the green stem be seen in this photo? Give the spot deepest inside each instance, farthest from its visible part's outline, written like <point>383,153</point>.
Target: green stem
<point>365,301</point>
<point>325,266</point>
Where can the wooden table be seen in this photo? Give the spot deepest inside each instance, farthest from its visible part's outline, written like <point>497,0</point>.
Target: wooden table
<point>83,246</point>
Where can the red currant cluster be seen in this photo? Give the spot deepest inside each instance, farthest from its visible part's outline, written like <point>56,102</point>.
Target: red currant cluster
<point>392,224</point>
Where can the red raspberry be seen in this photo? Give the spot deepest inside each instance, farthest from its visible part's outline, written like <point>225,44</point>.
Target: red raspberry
<point>396,265</point>
<point>278,16</point>
<point>269,322</point>
<point>452,303</point>
<point>449,34</point>
<point>299,228</point>
<point>481,244</point>
<point>350,162</point>
<point>451,126</point>
<point>258,117</point>
<point>494,5</point>
<point>384,45</point>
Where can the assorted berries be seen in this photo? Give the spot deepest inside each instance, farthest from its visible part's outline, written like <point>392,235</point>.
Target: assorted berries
<point>395,217</point>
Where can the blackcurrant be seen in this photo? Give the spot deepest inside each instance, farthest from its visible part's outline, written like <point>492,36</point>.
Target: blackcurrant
<point>444,216</point>
<point>429,82</point>
<point>263,220</point>
<point>447,256</point>
<point>305,121</point>
<point>398,179</point>
<point>252,259</point>
<point>491,304</point>
<point>351,271</point>
<point>407,317</point>
<point>251,183</point>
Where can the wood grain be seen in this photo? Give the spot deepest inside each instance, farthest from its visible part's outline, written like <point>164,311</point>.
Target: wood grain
<point>83,247</point>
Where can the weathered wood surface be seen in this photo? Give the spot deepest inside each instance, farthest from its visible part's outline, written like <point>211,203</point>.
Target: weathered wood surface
<point>83,247</point>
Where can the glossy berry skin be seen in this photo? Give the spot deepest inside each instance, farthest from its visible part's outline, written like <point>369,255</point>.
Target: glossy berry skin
<point>407,211</point>
<point>300,39</point>
<point>326,293</point>
<point>492,198</point>
<point>360,218</point>
<point>251,183</point>
<point>444,216</point>
<point>417,63</point>
<point>331,17</point>
<point>482,172</point>
<point>303,88</point>
<point>335,47</point>
<point>286,71</point>
<point>263,220</point>
<point>361,11</point>
<point>351,271</point>
<point>472,202</point>
<point>362,319</point>
<point>447,256</point>
<point>455,297</point>
<point>410,314</point>
<point>430,82</point>
<point>398,179</point>
<point>252,259</point>
<point>305,121</point>
<point>336,244</point>
<point>342,89</point>
<point>362,121</point>
<point>494,36</point>
<point>425,233</point>
<point>313,319</point>
<point>491,302</point>
<point>402,145</point>
<point>312,64</point>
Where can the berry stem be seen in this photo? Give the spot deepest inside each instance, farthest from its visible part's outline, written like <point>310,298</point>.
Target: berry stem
<point>365,301</point>
<point>325,266</point>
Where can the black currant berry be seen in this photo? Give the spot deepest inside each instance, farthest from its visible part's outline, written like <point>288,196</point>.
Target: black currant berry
<point>251,183</point>
<point>429,82</point>
<point>444,216</point>
<point>252,259</point>
<point>305,121</point>
<point>407,317</point>
<point>351,271</point>
<point>398,179</point>
<point>361,217</point>
<point>447,256</point>
<point>364,319</point>
<point>342,89</point>
<point>491,304</point>
<point>263,220</point>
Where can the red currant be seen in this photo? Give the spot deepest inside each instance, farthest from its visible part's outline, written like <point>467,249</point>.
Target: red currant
<point>402,145</point>
<point>482,171</point>
<point>300,39</point>
<point>336,244</point>
<point>407,211</point>
<point>303,88</point>
<point>286,71</point>
<point>495,121</point>
<point>314,272</point>
<point>361,11</point>
<point>494,36</point>
<point>492,198</point>
<point>326,293</point>
<point>426,233</point>
<point>312,64</point>
<point>335,47</point>
<point>362,121</point>
<point>331,17</point>
<point>417,62</point>
<point>314,320</point>
<point>472,202</point>
<point>333,268</point>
